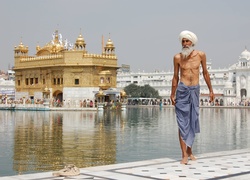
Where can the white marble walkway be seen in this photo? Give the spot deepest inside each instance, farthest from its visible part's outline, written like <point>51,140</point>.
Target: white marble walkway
<point>221,165</point>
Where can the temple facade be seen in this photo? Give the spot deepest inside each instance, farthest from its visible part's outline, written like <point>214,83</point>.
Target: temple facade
<point>63,70</point>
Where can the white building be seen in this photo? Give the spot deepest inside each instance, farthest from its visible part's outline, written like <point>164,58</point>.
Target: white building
<point>7,85</point>
<point>230,85</point>
<point>7,89</point>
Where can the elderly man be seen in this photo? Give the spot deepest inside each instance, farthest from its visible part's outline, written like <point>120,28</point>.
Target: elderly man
<point>185,94</point>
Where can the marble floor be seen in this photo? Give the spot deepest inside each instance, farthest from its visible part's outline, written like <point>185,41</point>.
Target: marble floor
<point>220,165</point>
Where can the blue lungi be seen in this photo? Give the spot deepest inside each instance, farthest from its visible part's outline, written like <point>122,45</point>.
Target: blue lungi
<point>187,111</point>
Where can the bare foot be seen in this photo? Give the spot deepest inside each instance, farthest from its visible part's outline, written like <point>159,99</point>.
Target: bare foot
<point>184,160</point>
<point>192,157</point>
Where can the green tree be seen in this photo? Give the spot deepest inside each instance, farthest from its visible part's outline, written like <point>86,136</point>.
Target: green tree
<point>145,91</point>
<point>133,90</point>
<point>149,92</point>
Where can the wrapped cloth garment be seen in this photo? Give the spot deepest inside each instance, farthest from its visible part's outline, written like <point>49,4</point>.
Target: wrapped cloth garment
<point>187,112</point>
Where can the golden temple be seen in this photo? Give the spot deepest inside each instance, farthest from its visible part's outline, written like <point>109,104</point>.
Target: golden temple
<point>67,71</point>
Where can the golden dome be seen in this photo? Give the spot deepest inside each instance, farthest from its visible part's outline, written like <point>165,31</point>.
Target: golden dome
<point>101,92</point>
<point>21,48</point>
<point>80,43</point>
<point>123,93</point>
<point>109,48</point>
<point>21,45</point>
<point>56,45</point>
<point>80,40</point>
<point>109,43</point>
<point>37,47</point>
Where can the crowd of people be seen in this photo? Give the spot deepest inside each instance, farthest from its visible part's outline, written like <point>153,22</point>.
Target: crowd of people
<point>56,102</point>
<point>88,103</point>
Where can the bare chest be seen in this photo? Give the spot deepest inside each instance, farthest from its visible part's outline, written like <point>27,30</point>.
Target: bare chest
<point>189,64</point>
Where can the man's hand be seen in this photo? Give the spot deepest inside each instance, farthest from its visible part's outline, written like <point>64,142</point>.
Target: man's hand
<point>211,95</point>
<point>172,100</point>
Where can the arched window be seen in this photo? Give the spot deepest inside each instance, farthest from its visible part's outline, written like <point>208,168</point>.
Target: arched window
<point>101,80</point>
<point>108,79</point>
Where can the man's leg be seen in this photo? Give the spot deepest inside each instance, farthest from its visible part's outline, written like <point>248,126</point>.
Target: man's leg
<point>183,150</point>
<point>190,154</point>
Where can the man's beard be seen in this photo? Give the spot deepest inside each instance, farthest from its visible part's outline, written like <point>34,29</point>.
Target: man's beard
<point>186,51</point>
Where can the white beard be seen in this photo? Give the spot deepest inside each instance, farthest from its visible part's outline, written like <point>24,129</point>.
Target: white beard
<point>186,51</point>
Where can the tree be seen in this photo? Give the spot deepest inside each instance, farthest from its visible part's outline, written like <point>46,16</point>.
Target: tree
<point>133,90</point>
<point>149,92</point>
<point>145,91</point>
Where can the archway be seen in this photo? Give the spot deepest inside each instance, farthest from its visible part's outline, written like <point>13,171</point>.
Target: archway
<point>221,102</point>
<point>58,95</point>
<point>216,102</point>
<point>243,92</point>
<point>201,101</point>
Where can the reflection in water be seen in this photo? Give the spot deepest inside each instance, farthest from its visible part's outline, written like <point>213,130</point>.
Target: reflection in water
<point>223,129</point>
<point>45,141</point>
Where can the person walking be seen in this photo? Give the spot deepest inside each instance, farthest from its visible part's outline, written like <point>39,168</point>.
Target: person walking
<point>185,91</point>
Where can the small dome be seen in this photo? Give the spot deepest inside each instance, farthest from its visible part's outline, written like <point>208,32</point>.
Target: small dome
<point>37,47</point>
<point>21,48</point>
<point>245,55</point>
<point>80,43</point>
<point>21,45</point>
<point>123,93</point>
<point>100,92</point>
<point>80,40</point>
<point>109,43</point>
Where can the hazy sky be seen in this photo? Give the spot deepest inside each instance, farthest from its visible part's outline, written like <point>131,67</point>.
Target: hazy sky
<point>145,32</point>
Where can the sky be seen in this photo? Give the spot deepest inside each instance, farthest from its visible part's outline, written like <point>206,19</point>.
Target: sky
<point>145,32</point>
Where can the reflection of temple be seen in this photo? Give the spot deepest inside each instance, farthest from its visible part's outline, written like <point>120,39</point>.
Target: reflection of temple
<point>37,139</point>
<point>68,72</point>
<point>48,141</point>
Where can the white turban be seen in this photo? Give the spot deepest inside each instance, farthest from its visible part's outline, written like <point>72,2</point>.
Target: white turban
<point>188,35</point>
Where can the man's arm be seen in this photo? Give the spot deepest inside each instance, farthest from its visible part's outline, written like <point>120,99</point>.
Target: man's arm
<point>175,79</point>
<point>206,75</point>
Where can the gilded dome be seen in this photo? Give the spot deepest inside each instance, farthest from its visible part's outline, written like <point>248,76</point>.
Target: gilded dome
<point>21,45</point>
<point>109,43</point>
<point>109,48</point>
<point>54,46</point>
<point>123,93</point>
<point>37,47</point>
<point>80,40</point>
<point>21,48</point>
<point>101,92</point>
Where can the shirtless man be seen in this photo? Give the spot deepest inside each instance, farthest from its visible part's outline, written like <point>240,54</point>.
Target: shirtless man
<point>185,94</point>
